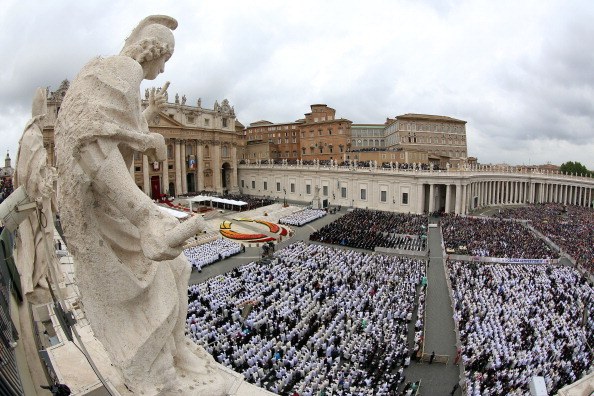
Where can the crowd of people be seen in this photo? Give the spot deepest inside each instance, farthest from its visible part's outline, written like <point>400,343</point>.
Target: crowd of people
<point>202,255</point>
<point>314,319</point>
<point>519,321</point>
<point>368,229</point>
<point>407,166</point>
<point>303,217</point>
<point>488,237</point>
<point>6,189</point>
<point>569,227</point>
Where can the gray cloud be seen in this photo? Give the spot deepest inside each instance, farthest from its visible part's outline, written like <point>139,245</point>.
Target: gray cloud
<point>519,73</point>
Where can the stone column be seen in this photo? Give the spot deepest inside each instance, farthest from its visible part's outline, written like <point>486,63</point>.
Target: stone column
<point>184,172</point>
<point>499,192</point>
<point>464,199</point>
<point>431,198</point>
<point>165,176</point>
<point>199,166</point>
<point>549,192</point>
<point>458,199</point>
<point>420,198</point>
<point>447,202</point>
<point>564,191</point>
<point>145,176</point>
<point>216,156</point>
<point>516,192</point>
<point>234,187</point>
<point>178,185</point>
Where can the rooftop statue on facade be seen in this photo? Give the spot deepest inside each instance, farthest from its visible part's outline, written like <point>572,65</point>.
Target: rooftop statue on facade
<point>131,276</point>
<point>37,178</point>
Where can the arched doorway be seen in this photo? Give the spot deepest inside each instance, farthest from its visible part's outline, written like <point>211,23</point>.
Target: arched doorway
<point>172,189</point>
<point>155,187</point>
<point>191,182</point>
<point>226,177</point>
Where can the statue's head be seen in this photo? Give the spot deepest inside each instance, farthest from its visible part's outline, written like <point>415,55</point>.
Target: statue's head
<point>151,44</point>
<point>39,107</point>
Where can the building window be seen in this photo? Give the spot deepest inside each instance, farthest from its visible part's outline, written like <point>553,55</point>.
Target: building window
<point>170,151</point>
<point>137,169</point>
<point>292,187</point>
<point>253,184</point>
<point>278,186</point>
<point>383,196</point>
<point>190,120</point>
<point>242,184</point>
<point>206,122</point>
<point>225,122</point>
<point>308,189</point>
<point>363,194</point>
<point>404,198</point>
<point>325,191</point>
<point>224,151</point>
<point>265,186</point>
<point>343,192</point>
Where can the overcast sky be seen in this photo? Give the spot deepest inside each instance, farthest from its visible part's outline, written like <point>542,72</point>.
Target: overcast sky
<point>521,73</point>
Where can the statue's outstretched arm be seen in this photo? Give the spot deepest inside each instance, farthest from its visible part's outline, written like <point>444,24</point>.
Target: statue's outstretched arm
<point>161,235</point>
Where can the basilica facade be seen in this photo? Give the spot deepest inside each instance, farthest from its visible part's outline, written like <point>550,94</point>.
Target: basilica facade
<point>203,145</point>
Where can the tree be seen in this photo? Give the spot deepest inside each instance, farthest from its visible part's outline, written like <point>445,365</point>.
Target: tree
<point>575,168</point>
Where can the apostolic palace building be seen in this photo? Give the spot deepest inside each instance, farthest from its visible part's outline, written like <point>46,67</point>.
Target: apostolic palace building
<point>412,163</point>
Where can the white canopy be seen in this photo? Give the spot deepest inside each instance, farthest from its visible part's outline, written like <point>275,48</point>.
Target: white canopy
<point>202,198</point>
<point>173,212</point>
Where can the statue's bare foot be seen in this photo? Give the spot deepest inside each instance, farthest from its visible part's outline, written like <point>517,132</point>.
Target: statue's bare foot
<point>193,359</point>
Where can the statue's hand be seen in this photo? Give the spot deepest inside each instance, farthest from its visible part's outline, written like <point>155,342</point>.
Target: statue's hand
<point>153,237</point>
<point>157,101</point>
<point>163,237</point>
<point>156,150</point>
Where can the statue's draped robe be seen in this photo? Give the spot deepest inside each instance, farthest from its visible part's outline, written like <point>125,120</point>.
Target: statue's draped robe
<point>134,304</point>
<point>31,173</point>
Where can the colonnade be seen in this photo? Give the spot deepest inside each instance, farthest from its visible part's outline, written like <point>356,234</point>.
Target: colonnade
<point>510,192</point>
<point>458,192</point>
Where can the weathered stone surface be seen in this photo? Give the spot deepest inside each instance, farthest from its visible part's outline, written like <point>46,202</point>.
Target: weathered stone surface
<point>131,276</point>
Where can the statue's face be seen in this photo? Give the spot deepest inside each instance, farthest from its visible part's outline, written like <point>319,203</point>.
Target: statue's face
<point>154,67</point>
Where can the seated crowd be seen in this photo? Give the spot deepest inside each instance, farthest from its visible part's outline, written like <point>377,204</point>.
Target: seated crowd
<point>302,217</point>
<point>203,255</point>
<point>368,229</point>
<point>488,237</point>
<point>313,319</point>
<point>519,321</point>
<point>571,228</point>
